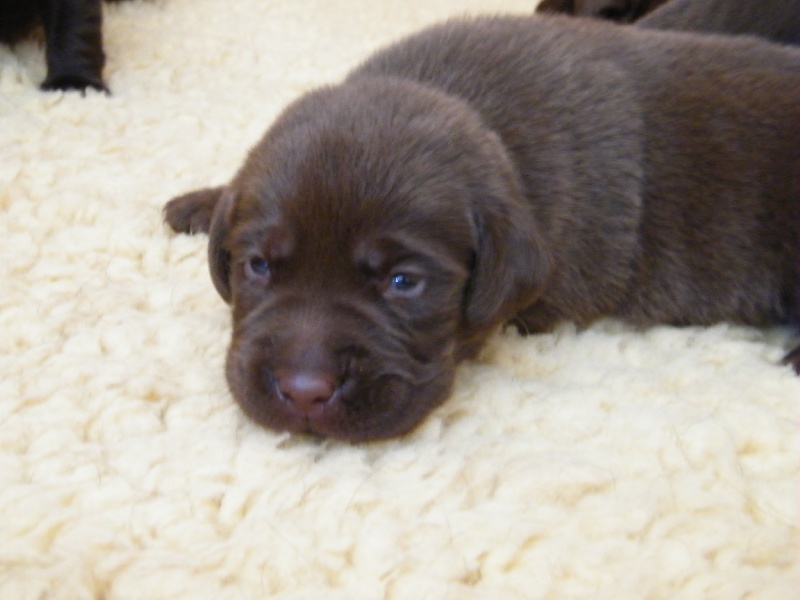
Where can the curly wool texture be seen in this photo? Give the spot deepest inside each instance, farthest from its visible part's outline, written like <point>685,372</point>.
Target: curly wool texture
<point>605,463</point>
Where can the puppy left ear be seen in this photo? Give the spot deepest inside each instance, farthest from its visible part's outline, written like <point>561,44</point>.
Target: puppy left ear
<point>219,259</point>
<point>512,261</point>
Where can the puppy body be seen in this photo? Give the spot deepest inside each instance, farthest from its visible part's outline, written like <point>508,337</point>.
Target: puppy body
<point>507,169</point>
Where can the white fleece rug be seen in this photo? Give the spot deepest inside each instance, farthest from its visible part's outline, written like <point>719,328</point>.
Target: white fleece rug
<point>602,464</point>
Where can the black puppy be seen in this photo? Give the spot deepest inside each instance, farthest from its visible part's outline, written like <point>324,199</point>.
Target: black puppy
<point>73,36</point>
<point>529,170</point>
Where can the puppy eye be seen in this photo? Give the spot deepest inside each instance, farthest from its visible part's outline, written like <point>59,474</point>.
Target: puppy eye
<point>406,284</point>
<point>257,267</point>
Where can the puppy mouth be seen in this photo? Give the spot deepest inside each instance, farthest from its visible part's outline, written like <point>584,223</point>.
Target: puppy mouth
<point>357,411</point>
<point>362,406</point>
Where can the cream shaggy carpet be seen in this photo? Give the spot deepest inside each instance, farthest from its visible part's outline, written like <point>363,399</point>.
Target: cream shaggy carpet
<point>602,464</point>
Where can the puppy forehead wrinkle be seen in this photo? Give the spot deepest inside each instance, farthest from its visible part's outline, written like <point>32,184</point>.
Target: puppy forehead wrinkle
<point>271,238</point>
<point>333,221</point>
<point>252,217</point>
<point>409,247</point>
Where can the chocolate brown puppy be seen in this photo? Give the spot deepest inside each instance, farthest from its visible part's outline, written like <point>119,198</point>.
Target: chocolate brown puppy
<point>73,36</point>
<point>496,170</point>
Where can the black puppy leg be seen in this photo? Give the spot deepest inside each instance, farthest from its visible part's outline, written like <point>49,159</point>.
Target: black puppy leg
<point>74,36</point>
<point>793,358</point>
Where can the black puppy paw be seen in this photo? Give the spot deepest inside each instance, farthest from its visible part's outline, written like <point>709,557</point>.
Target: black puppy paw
<point>71,82</point>
<point>191,213</point>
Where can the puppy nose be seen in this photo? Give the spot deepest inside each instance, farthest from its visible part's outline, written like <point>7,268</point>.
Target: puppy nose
<point>309,392</point>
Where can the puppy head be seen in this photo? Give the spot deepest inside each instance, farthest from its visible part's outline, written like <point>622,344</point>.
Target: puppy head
<point>371,241</point>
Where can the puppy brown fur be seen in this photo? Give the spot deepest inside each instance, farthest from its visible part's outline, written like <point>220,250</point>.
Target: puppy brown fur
<point>73,31</point>
<point>510,169</point>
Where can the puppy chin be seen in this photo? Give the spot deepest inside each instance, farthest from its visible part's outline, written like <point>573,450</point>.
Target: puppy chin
<point>367,408</point>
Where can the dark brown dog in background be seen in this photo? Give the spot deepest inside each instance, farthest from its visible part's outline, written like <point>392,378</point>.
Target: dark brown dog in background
<point>620,11</point>
<point>73,32</point>
<point>524,170</point>
<point>776,20</point>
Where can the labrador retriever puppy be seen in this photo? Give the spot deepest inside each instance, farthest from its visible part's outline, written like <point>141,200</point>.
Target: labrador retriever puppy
<point>620,11</point>
<point>491,171</point>
<point>73,32</point>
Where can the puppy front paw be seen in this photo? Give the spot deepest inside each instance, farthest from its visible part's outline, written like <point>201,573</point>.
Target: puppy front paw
<point>191,213</point>
<point>73,82</point>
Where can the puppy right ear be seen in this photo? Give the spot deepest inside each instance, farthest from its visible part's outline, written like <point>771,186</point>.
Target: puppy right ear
<point>219,259</point>
<point>191,213</point>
